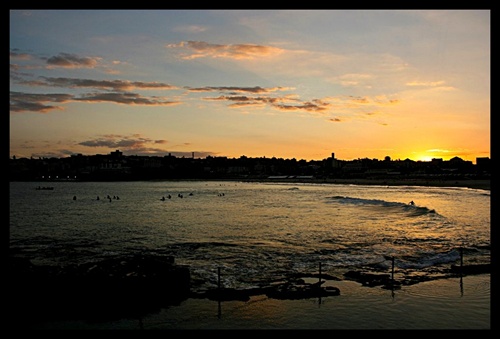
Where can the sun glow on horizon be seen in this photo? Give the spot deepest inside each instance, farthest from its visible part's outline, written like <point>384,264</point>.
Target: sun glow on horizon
<point>430,154</point>
<point>444,155</point>
<point>274,84</point>
<point>425,158</point>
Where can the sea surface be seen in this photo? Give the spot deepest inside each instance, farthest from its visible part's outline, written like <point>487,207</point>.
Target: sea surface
<point>255,234</point>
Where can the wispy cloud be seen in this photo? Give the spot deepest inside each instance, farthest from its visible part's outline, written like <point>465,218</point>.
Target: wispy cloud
<point>284,103</point>
<point>67,60</point>
<point>116,85</point>
<point>425,83</point>
<point>308,106</point>
<point>352,79</point>
<point>202,49</point>
<point>190,29</point>
<point>126,99</point>
<point>335,120</point>
<point>121,141</point>
<point>234,89</point>
<point>14,54</point>
<point>21,102</point>
<point>136,144</point>
<point>438,85</point>
<point>120,91</point>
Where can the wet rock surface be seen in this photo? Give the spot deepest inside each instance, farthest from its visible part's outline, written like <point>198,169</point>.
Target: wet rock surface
<point>131,287</point>
<point>384,280</point>
<point>290,289</point>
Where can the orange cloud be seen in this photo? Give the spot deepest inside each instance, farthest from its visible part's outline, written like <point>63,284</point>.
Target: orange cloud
<point>425,83</point>
<point>19,56</point>
<point>201,49</point>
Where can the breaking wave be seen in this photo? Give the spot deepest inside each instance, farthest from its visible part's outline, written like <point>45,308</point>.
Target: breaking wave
<point>384,206</point>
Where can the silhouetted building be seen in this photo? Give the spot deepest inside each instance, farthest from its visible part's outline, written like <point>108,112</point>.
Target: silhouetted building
<point>115,166</point>
<point>483,164</point>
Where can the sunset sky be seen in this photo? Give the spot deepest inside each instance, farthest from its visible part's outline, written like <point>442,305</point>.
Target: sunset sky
<point>297,84</point>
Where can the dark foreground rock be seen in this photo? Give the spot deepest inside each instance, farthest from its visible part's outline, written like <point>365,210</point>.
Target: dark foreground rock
<point>125,287</point>
<point>134,286</point>
<point>471,269</point>
<point>281,291</point>
<point>106,290</point>
<point>373,279</point>
<point>386,281</point>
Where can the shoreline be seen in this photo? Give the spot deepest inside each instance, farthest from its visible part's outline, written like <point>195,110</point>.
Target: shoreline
<point>483,184</point>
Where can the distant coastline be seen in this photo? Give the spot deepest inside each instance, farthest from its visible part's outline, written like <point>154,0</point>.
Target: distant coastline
<point>483,184</point>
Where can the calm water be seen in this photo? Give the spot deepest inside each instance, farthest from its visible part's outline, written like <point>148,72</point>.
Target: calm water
<point>256,233</point>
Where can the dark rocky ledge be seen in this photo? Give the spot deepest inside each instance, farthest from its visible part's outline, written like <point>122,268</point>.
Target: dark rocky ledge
<point>109,289</point>
<point>471,269</point>
<point>130,287</point>
<point>385,280</point>
<point>292,289</point>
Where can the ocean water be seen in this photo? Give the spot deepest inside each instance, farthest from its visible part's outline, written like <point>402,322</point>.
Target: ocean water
<point>255,234</point>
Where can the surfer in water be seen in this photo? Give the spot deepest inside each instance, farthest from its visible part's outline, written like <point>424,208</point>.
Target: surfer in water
<point>411,203</point>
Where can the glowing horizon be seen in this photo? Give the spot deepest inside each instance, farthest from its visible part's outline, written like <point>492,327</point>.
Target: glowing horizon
<point>408,84</point>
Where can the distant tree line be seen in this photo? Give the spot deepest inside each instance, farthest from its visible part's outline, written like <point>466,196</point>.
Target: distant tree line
<point>118,167</point>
